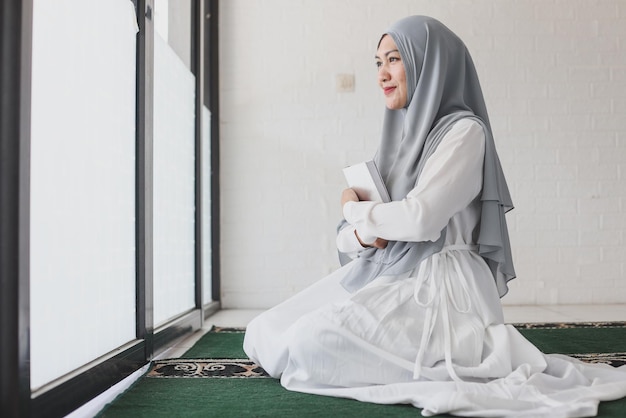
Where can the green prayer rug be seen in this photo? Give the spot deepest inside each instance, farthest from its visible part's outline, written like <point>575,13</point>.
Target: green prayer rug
<point>215,379</point>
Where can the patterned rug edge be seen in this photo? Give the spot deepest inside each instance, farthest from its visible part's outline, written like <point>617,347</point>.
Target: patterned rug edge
<point>519,325</point>
<point>206,368</point>
<point>228,330</point>
<point>246,368</point>
<point>565,325</point>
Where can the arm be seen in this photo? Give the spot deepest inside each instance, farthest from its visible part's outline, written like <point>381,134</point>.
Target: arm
<point>451,179</point>
<point>348,240</point>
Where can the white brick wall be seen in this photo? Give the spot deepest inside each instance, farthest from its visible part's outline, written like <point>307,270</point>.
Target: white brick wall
<point>554,77</point>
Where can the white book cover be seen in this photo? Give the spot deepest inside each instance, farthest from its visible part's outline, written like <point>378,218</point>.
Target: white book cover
<point>366,181</point>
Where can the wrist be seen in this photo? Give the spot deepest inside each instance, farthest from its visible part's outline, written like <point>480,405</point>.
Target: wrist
<point>365,241</point>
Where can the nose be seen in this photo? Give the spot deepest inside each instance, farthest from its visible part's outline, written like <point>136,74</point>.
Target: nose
<point>383,73</point>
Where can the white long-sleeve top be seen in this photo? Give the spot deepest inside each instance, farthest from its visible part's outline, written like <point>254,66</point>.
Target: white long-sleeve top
<point>447,194</point>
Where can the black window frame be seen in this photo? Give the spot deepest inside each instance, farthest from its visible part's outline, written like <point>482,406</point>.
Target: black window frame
<point>66,394</point>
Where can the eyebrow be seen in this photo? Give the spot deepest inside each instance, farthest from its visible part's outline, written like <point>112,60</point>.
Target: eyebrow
<point>387,53</point>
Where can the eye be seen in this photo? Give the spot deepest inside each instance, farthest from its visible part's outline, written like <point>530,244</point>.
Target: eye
<point>378,64</point>
<point>394,59</point>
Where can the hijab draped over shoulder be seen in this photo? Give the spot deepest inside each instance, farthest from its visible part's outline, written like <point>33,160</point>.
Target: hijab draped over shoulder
<point>442,88</point>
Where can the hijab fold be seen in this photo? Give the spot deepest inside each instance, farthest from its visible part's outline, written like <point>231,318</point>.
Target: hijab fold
<point>442,88</point>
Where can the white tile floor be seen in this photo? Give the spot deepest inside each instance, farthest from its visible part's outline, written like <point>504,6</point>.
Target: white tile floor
<point>512,314</point>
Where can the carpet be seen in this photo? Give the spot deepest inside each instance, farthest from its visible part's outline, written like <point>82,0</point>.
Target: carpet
<point>215,379</point>
<point>202,368</point>
<point>593,342</point>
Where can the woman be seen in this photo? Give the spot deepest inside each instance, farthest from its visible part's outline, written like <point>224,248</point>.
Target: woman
<point>415,317</point>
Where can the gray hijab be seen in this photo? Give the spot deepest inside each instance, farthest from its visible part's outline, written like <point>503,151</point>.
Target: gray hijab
<point>442,88</point>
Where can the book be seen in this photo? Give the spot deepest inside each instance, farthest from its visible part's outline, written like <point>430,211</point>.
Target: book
<point>366,181</point>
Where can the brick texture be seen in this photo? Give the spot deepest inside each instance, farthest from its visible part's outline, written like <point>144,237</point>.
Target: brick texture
<point>554,77</point>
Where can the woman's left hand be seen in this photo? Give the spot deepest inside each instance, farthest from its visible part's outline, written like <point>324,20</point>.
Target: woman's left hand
<point>348,195</point>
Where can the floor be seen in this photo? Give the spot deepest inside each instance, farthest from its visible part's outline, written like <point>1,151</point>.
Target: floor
<point>512,314</point>
<point>241,317</point>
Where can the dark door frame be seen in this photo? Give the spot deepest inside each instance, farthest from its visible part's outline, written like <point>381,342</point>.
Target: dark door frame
<point>15,82</point>
<point>70,392</point>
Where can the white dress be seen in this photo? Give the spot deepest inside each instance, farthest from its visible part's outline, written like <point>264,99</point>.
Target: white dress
<point>434,337</point>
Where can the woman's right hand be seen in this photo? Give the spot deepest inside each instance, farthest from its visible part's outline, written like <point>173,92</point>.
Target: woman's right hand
<point>349,195</point>
<point>380,243</point>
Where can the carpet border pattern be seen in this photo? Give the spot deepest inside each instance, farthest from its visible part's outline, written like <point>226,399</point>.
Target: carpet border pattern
<point>569,325</point>
<point>612,359</point>
<point>521,325</point>
<point>206,368</point>
<point>245,368</point>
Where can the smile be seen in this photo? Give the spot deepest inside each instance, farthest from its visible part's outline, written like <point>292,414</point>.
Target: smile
<point>388,90</point>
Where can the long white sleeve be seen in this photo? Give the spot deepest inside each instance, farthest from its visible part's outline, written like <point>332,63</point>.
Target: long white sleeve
<point>451,179</point>
<point>347,241</point>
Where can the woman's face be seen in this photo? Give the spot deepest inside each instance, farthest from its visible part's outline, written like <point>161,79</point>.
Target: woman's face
<point>391,75</point>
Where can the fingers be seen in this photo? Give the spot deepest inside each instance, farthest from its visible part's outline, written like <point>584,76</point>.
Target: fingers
<point>348,195</point>
<point>380,243</point>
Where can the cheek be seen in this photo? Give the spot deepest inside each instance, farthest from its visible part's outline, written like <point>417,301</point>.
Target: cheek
<point>400,78</point>
<point>403,80</point>
<point>404,87</point>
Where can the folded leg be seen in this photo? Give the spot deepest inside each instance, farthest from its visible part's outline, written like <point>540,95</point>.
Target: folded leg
<point>265,341</point>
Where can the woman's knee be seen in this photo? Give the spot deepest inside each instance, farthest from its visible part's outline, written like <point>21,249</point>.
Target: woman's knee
<point>255,332</point>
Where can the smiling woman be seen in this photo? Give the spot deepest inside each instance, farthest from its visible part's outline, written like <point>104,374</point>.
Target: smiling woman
<point>415,317</point>
<point>391,75</point>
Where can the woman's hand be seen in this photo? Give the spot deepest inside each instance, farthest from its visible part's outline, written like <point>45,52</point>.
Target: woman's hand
<point>349,195</point>
<point>379,243</point>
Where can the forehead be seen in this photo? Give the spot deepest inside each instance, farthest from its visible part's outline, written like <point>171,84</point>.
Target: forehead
<point>386,44</point>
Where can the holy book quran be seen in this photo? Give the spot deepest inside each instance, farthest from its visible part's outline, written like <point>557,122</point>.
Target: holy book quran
<point>366,181</point>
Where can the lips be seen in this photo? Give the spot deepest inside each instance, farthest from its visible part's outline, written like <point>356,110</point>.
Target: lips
<point>388,90</point>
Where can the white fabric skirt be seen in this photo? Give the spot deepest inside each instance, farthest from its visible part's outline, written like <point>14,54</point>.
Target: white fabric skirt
<point>434,339</point>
